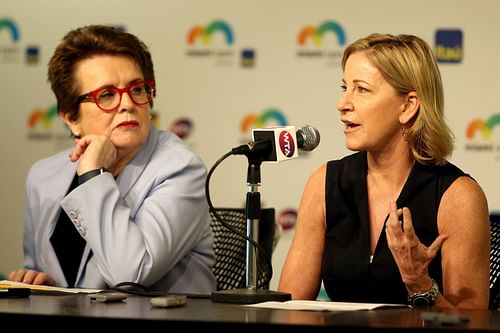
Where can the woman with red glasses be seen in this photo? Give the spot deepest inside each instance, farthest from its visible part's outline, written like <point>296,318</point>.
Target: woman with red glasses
<point>126,203</point>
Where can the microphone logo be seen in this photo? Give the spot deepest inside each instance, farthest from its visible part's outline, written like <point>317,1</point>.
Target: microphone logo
<point>286,143</point>
<point>280,143</point>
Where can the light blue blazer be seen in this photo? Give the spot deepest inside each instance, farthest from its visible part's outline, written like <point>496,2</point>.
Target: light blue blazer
<point>150,226</point>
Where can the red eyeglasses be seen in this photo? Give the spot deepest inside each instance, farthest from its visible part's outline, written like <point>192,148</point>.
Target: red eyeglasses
<point>109,98</point>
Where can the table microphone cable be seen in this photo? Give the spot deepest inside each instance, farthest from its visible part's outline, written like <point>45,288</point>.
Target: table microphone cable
<point>267,264</point>
<point>138,289</point>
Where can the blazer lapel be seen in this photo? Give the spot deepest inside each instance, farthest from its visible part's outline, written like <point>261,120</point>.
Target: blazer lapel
<point>134,169</point>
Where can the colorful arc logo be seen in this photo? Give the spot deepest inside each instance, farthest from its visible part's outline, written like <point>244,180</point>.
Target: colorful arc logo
<point>254,121</point>
<point>317,33</point>
<point>11,27</point>
<point>485,127</point>
<point>40,115</point>
<point>205,33</point>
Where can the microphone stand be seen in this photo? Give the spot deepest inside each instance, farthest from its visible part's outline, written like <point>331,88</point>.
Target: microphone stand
<point>251,294</point>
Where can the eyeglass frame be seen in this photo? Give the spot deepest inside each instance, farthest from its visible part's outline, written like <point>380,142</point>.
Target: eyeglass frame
<point>91,96</point>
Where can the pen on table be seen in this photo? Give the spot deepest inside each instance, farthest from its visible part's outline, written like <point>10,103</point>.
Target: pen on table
<point>444,318</point>
<point>15,292</point>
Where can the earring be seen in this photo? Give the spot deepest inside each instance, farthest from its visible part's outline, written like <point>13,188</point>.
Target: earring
<point>404,132</point>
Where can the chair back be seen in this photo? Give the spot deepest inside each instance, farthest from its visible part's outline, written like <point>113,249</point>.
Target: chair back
<point>230,248</point>
<point>495,261</point>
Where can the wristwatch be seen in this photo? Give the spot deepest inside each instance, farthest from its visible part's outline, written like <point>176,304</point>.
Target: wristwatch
<point>91,174</point>
<point>426,298</point>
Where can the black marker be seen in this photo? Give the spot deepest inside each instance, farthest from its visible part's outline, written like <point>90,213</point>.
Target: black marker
<point>15,293</point>
<point>444,318</point>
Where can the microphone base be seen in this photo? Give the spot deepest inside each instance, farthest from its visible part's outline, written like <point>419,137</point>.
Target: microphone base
<point>249,295</point>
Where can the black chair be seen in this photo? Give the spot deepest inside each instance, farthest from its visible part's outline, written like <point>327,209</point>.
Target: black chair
<point>230,248</point>
<point>495,261</point>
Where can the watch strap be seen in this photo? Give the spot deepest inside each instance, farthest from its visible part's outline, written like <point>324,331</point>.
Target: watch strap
<point>90,174</point>
<point>426,298</point>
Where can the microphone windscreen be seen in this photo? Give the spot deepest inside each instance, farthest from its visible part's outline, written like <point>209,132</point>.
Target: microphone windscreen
<point>308,138</point>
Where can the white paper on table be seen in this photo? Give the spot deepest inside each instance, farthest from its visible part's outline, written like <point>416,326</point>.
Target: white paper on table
<point>322,305</point>
<point>45,289</point>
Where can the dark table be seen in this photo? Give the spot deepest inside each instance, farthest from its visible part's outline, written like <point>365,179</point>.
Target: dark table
<point>66,313</point>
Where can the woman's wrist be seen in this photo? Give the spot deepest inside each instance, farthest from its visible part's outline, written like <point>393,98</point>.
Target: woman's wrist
<point>419,285</point>
<point>91,174</point>
<point>424,298</point>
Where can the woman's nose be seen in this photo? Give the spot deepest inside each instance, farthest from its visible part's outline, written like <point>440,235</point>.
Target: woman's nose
<point>126,102</point>
<point>344,103</point>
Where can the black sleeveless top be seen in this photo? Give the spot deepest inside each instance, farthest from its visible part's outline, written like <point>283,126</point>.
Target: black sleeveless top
<point>347,273</point>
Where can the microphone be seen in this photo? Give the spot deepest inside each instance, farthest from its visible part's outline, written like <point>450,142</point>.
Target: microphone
<point>307,138</point>
<point>280,143</point>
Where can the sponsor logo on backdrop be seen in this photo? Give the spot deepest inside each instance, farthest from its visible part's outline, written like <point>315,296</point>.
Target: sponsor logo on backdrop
<point>449,46</point>
<point>204,34</point>
<point>10,48</point>
<point>287,218</point>
<point>9,41</point>
<point>324,42</point>
<point>44,125</point>
<point>483,135</point>
<point>42,118</point>
<point>182,127</point>
<point>11,27</point>
<point>32,55</point>
<point>266,118</point>
<point>269,117</point>
<point>247,58</point>
<point>213,41</point>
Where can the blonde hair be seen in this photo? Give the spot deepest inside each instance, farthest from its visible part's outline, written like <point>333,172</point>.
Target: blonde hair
<point>408,64</point>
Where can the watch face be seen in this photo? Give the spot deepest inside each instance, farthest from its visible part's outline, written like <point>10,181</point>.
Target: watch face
<point>426,298</point>
<point>420,301</point>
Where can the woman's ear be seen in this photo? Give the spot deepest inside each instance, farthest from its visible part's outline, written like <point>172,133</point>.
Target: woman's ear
<point>73,126</point>
<point>411,108</point>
